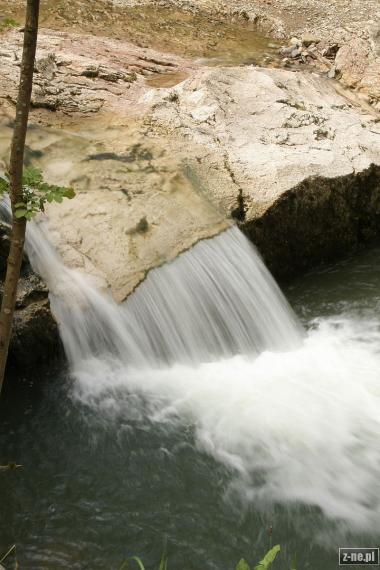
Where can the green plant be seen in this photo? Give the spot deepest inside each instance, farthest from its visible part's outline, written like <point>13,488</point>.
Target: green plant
<point>35,193</point>
<point>242,565</point>
<point>265,564</point>
<point>163,563</point>
<point>269,558</point>
<point>8,23</point>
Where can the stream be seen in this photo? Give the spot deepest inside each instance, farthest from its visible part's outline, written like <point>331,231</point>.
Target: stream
<point>200,460</point>
<point>210,415</point>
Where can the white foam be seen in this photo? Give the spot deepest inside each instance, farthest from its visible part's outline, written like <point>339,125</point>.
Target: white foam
<point>210,340</point>
<point>296,427</point>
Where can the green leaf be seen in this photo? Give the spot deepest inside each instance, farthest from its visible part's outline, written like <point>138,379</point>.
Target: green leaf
<point>242,565</point>
<point>163,563</point>
<point>69,193</point>
<point>139,562</point>
<point>268,559</point>
<point>36,192</point>
<point>32,177</point>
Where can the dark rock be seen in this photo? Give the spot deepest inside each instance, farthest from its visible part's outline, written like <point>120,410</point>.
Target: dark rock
<point>35,337</point>
<point>346,217</point>
<point>331,51</point>
<point>91,72</point>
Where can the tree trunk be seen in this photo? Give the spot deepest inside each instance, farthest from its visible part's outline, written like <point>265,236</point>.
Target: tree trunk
<point>15,172</point>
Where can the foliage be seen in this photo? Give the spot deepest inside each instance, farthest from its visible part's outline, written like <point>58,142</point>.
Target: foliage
<point>36,192</point>
<point>265,564</point>
<point>8,23</point>
<point>243,565</point>
<point>269,558</point>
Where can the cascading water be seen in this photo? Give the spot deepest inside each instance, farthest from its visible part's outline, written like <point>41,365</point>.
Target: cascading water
<point>209,340</point>
<point>214,301</point>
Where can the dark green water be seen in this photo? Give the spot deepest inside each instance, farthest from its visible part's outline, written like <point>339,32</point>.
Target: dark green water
<point>94,491</point>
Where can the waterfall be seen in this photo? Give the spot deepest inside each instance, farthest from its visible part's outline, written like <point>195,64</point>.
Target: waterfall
<point>215,300</point>
<point>210,341</point>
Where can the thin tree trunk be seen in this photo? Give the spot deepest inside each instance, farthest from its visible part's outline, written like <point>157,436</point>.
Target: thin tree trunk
<point>15,172</point>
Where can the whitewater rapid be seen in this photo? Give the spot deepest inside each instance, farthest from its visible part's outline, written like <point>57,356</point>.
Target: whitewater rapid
<point>210,341</point>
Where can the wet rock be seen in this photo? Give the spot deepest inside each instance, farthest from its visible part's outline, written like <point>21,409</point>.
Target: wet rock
<point>137,204</point>
<point>35,337</point>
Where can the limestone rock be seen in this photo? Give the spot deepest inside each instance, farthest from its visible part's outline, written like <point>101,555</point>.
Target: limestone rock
<point>304,162</point>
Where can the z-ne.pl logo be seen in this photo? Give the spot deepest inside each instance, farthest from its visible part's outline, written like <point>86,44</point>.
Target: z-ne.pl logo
<point>358,557</point>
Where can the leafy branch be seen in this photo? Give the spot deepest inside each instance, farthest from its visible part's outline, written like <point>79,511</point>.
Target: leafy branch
<point>35,193</point>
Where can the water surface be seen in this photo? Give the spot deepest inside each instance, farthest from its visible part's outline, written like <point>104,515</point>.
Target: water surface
<point>98,487</point>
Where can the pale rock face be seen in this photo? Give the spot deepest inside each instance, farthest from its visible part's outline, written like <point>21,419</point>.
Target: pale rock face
<point>280,152</point>
<point>275,127</point>
<point>120,240</point>
<point>304,162</point>
<point>135,209</point>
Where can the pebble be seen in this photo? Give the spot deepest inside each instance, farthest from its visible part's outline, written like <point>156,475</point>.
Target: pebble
<point>295,41</point>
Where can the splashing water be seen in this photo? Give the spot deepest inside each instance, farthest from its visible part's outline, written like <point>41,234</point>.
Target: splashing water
<point>210,340</point>
<point>215,301</point>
